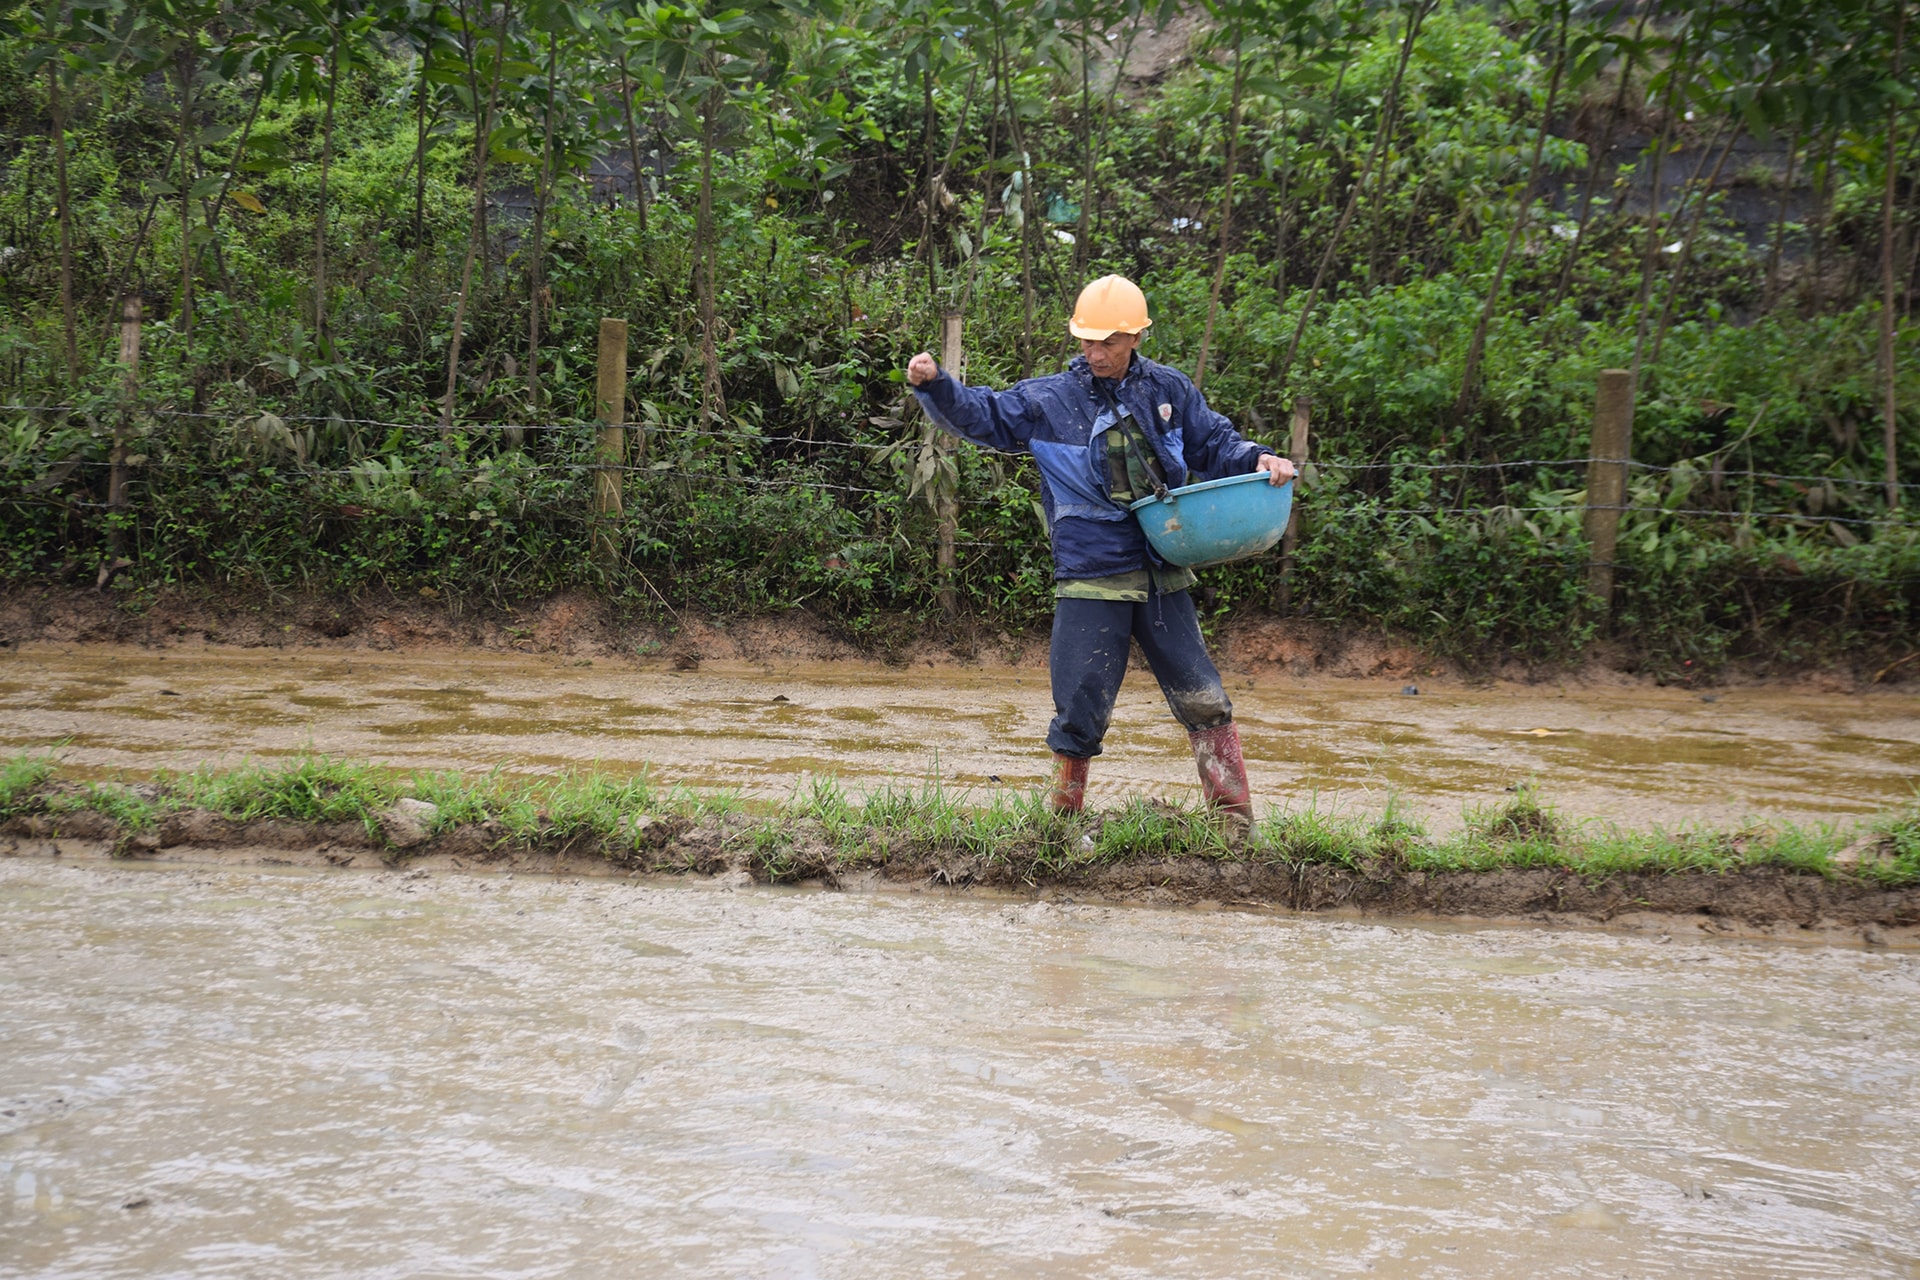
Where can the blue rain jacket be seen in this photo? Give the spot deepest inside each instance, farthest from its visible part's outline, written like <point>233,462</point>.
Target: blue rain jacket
<point>1062,420</point>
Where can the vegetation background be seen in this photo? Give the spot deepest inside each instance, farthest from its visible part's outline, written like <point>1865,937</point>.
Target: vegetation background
<point>373,243</point>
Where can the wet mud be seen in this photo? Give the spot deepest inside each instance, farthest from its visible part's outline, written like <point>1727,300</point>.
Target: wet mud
<point>1632,756</point>
<point>245,1071</point>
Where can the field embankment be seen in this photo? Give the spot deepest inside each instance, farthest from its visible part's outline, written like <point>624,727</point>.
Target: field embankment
<point>1519,861</point>
<point>581,623</point>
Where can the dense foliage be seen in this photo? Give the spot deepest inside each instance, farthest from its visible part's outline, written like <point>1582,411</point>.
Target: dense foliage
<point>374,244</point>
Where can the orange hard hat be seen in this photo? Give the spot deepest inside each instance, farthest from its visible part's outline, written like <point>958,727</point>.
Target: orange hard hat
<point>1110,305</point>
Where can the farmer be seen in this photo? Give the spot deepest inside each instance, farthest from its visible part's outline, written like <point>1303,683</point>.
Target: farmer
<point>1113,428</point>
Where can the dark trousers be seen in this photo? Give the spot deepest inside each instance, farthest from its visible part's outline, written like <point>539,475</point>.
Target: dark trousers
<point>1089,658</point>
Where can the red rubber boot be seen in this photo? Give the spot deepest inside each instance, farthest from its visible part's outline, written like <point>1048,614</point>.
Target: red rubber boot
<point>1223,773</point>
<point>1069,784</point>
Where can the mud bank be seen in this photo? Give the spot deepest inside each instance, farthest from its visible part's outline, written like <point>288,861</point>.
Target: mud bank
<point>580,624</point>
<point>1768,902</point>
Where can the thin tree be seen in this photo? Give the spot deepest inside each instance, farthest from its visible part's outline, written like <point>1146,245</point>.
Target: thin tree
<point>56,34</point>
<point>627,89</point>
<point>1241,65</point>
<point>422,92</point>
<point>1779,238</point>
<point>1287,208</point>
<point>470,56</point>
<point>1389,117</point>
<point>536,281</point>
<point>1890,406</point>
<point>239,155</point>
<point>1476,345</point>
<point>186,66</point>
<point>925,50</point>
<point>1023,194</point>
<point>1697,217</point>
<point>1649,258</point>
<point>1094,22</point>
<point>478,229</point>
<point>57,110</point>
<point>713,400</point>
<point>1631,51</point>
<point>337,33</point>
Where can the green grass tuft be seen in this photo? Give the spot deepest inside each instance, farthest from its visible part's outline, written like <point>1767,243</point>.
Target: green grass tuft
<point>1899,839</point>
<point>309,789</point>
<point>127,807</point>
<point>22,779</point>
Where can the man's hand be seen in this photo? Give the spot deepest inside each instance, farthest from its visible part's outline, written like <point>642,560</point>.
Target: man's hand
<point>922,369</point>
<point>1278,469</point>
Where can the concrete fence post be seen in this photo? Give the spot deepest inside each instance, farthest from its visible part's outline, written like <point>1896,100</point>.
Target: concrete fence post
<point>1609,452</point>
<point>130,314</point>
<point>1299,449</point>
<point>610,449</point>
<point>946,506</point>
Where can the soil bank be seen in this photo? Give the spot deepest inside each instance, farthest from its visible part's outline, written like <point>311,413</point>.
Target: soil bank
<point>1752,902</point>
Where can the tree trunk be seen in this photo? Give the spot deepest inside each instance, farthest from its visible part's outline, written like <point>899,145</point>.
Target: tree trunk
<point>1280,201</point>
<point>474,235</point>
<point>1815,290</point>
<point>470,54</point>
<point>326,164</point>
<point>1649,257</point>
<point>959,131</point>
<point>1780,227</point>
<point>55,106</point>
<point>536,275</point>
<point>420,157</point>
<point>1389,112</point>
<point>1025,197</point>
<point>1594,161</point>
<point>1092,226</point>
<point>1086,159</point>
<point>926,170</point>
<point>186,191</point>
<point>239,152</point>
<point>1699,215</point>
<point>1889,391</point>
<point>713,402</point>
<point>1285,225</point>
<point>986,200</point>
<point>139,242</point>
<point>633,152</point>
<point>1476,345</point>
<point>1907,274</point>
<point>1226,212</point>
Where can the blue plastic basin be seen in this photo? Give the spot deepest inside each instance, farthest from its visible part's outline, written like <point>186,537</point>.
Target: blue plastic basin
<point>1217,521</point>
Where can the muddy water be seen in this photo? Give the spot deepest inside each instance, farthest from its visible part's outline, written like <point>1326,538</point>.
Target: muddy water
<point>257,1072</point>
<point>1639,756</point>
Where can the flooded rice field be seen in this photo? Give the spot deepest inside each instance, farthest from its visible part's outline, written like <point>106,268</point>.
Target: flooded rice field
<point>1636,756</point>
<point>246,1072</point>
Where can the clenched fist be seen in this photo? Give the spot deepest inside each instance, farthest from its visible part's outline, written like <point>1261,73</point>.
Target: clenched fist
<point>922,369</point>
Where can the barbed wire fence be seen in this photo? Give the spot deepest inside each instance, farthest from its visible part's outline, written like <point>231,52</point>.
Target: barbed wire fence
<point>1323,471</point>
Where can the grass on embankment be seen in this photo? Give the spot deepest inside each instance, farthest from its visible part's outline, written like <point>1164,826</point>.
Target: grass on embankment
<point>821,830</point>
